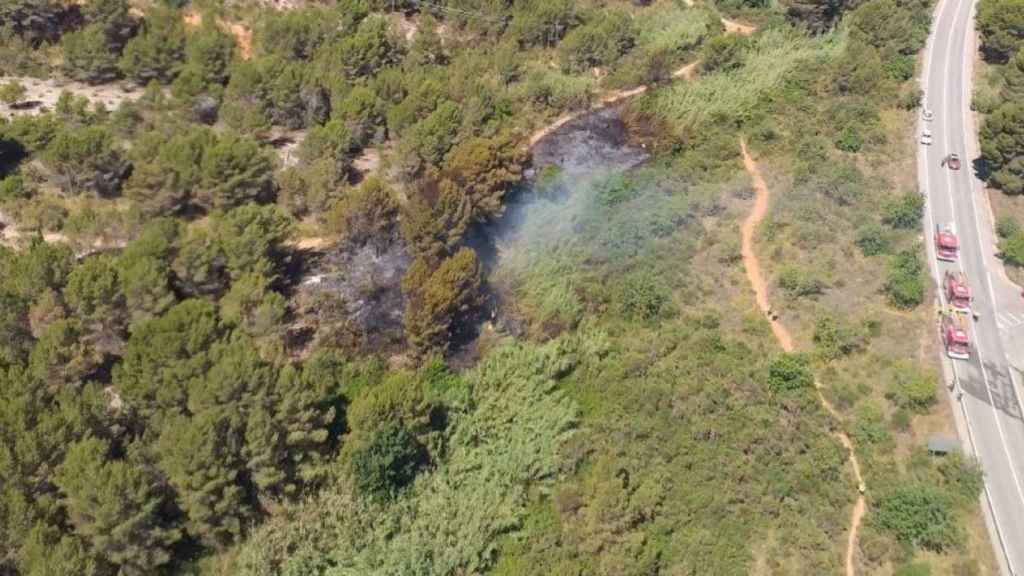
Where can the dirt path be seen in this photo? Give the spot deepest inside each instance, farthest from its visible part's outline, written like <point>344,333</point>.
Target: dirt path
<point>686,72</point>
<point>753,268</point>
<point>734,27</point>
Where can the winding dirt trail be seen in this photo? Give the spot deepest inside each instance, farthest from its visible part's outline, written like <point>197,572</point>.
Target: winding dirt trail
<point>686,72</point>
<point>608,99</point>
<point>753,268</point>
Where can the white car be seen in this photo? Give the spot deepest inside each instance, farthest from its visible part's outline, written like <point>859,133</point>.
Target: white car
<point>926,137</point>
<point>927,114</point>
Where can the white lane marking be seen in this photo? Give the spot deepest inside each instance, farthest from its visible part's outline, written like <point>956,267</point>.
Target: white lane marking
<point>927,172</point>
<point>1007,320</point>
<point>923,162</point>
<point>965,81</point>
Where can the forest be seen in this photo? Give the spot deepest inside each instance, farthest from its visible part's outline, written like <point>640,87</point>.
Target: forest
<point>1001,26</point>
<point>285,289</point>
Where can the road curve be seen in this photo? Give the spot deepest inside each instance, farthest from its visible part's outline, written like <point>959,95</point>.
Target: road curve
<point>985,389</point>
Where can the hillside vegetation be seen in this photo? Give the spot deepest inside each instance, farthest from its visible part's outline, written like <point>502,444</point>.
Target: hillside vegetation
<point>304,303</point>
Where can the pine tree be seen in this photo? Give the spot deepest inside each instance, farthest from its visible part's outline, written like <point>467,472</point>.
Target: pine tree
<point>484,169</point>
<point>437,305</point>
<point>202,459</point>
<point>142,270</point>
<point>85,158</point>
<point>434,227</point>
<point>157,52</point>
<point>163,354</point>
<point>234,171</point>
<point>116,507</point>
<point>88,56</point>
<point>63,356</point>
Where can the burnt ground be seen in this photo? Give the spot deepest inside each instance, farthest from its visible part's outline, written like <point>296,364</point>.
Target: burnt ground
<point>354,295</point>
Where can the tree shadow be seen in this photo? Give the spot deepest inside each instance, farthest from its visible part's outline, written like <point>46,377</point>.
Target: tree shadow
<point>981,168</point>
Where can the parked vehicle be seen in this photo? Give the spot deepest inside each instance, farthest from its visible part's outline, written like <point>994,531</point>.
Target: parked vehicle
<point>958,292</point>
<point>947,245</point>
<point>954,335</point>
<point>926,137</point>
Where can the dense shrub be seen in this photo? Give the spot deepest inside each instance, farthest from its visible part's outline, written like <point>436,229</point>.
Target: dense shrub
<point>1001,23</point>
<point>1012,249</point>
<point>598,42</point>
<point>643,297</point>
<point>905,212</point>
<point>834,338</point>
<point>789,372</point>
<point>905,285</point>
<point>389,462</point>
<point>912,389</point>
<point>872,240</point>
<point>1002,146</point>
<point>920,515</point>
<point>800,283</point>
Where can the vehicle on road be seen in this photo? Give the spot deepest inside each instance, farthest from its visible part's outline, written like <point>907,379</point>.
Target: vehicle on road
<point>952,160</point>
<point>927,114</point>
<point>954,335</point>
<point>926,137</point>
<point>947,245</point>
<point>958,292</point>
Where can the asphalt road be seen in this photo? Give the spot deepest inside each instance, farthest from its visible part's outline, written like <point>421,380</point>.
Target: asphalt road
<point>987,393</point>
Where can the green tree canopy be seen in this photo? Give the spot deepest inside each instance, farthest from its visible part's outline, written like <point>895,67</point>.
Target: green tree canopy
<point>88,56</point>
<point>485,169</point>
<point>598,42</point>
<point>143,270</point>
<point>439,299</point>
<point>117,507</point>
<point>1001,23</point>
<point>202,459</point>
<point>367,213</point>
<point>389,462</point>
<point>234,171</point>
<point>1002,146</point>
<point>163,354</point>
<point>167,168</point>
<point>158,51</point>
<point>84,158</point>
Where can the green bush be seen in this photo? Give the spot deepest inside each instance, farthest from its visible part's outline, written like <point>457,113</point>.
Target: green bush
<point>912,389</point>
<point>869,426</point>
<point>1012,249</point>
<point>599,42</point>
<point>13,187</point>
<point>872,240</point>
<point>849,140</point>
<point>835,338</point>
<point>789,372</point>
<point>904,213</point>
<point>643,297</point>
<point>905,285</point>
<point>963,476</point>
<point>1007,227</point>
<point>799,283</point>
<point>919,515</point>
<point>723,52</point>
<point>389,462</point>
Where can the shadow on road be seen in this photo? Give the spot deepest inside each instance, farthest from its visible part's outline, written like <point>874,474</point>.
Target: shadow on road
<point>999,394</point>
<point>981,168</point>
